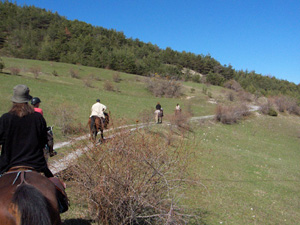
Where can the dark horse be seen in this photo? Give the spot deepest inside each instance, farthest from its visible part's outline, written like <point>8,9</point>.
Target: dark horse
<point>96,124</point>
<point>26,198</point>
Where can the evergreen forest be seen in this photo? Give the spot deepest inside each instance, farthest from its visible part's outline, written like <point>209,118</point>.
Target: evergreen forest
<point>33,33</point>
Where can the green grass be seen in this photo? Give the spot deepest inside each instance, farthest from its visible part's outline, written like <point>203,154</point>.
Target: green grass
<point>251,172</point>
<point>56,92</point>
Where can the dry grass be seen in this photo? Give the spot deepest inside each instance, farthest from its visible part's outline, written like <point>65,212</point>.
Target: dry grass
<point>36,71</point>
<point>14,70</point>
<point>134,178</point>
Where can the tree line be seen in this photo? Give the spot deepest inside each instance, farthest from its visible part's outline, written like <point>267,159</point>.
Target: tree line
<point>33,33</point>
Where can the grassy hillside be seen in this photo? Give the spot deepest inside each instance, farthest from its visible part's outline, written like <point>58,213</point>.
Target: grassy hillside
<point>248,172</point>
<point>129,98</point>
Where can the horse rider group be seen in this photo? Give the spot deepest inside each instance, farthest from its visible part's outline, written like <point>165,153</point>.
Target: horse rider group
<point>23,137</point>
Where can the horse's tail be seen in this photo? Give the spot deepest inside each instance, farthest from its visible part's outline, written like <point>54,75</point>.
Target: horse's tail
<point>32,205</point>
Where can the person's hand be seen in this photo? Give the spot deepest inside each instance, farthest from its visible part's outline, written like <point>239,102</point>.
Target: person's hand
<point>53,153</point>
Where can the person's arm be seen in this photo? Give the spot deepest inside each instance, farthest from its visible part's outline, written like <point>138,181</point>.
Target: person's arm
<point>1,131</point>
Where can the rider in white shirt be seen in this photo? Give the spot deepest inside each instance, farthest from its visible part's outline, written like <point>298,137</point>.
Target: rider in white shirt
<point>98,109</point>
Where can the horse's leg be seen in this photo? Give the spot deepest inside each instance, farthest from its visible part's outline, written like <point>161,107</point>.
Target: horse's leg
<point>101,129</point>
<point>93,128</point>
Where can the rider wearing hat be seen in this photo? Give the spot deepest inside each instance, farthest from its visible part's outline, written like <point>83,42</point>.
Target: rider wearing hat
<point>23,136</point>
<point>35,101</point>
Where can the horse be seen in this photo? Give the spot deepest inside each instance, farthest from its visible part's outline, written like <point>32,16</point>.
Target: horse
<point>26,198</point>
<point>96,124</point>
<point>159,115</point>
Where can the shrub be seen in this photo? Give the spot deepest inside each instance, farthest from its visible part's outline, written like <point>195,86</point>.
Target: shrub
<point>64,119</point>
<point>36,71</point>
<point>108,86</point>
<point>288,104</point>
<point>14,70</point>
<point>209,94</point>
<point>196,78</point>
<point>233,85</point>
<point>88,82</point>
<point>231,114</point>
<point>132,179</point>
<point>1,65</point>
<point>230,96</point>
<point>54,73</point>
<point>147,116</point>
<point>268,109</point>
<point>116,77</point>
<point>272,112</point>
<point>193,90</point>
<point>245,96</point>
<point>74,73</point>
<point>166,88</point>
<point>204,90</point>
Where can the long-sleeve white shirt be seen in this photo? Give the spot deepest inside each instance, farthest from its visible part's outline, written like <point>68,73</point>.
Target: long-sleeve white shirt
<point>98,109</point>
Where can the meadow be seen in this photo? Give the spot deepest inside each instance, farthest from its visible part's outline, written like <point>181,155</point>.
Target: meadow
<point>245,173</point>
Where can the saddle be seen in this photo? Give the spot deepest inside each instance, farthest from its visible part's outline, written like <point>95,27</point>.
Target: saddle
<point>61,195</point>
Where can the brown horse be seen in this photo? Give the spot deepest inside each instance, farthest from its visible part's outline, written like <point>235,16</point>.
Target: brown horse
<point>96,125</point>
<point>26,198</point>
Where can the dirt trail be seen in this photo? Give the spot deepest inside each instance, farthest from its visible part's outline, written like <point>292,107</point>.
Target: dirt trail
<point>59,165</point>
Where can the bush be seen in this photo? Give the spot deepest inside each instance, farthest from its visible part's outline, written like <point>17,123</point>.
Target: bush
<point>74,73</point>
<point>209,94</point>
<point>166,88</point>
<point>132,179</point>
<point>14,70</point>
<point>245,96</point>
<point>272,112</point>
<point>108,86</point>
<point>1,65</point>
<point>231,114</point>
<point>36,71</point>
<point>64,119</point>
<point>230,96</point>
<point>233,85</point>
<point>288,104</point>
<point>267,109</point>
<point>116,77</point>
<point>204,90</point>
<point>54,73</point>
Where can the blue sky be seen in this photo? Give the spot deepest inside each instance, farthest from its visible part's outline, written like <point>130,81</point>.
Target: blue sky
<point>259,35</point>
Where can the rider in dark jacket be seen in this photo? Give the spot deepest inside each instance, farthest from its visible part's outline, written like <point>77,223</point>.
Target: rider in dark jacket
<point>23,135</point>
<point>158,106</point>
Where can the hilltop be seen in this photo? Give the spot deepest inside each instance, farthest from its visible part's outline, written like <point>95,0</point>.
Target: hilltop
<point>33,33</point>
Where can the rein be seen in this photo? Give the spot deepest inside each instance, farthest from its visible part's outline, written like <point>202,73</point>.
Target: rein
<point>20,173</point>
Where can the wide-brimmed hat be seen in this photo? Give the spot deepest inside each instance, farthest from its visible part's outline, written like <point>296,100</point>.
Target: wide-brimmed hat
<point>21,94</point>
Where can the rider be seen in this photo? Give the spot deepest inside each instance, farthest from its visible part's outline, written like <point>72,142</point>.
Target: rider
<point>177,109</point>
<point>158,106</point>
<point>23,135</point>
<point>35,101</point>
<point>98,110</point>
